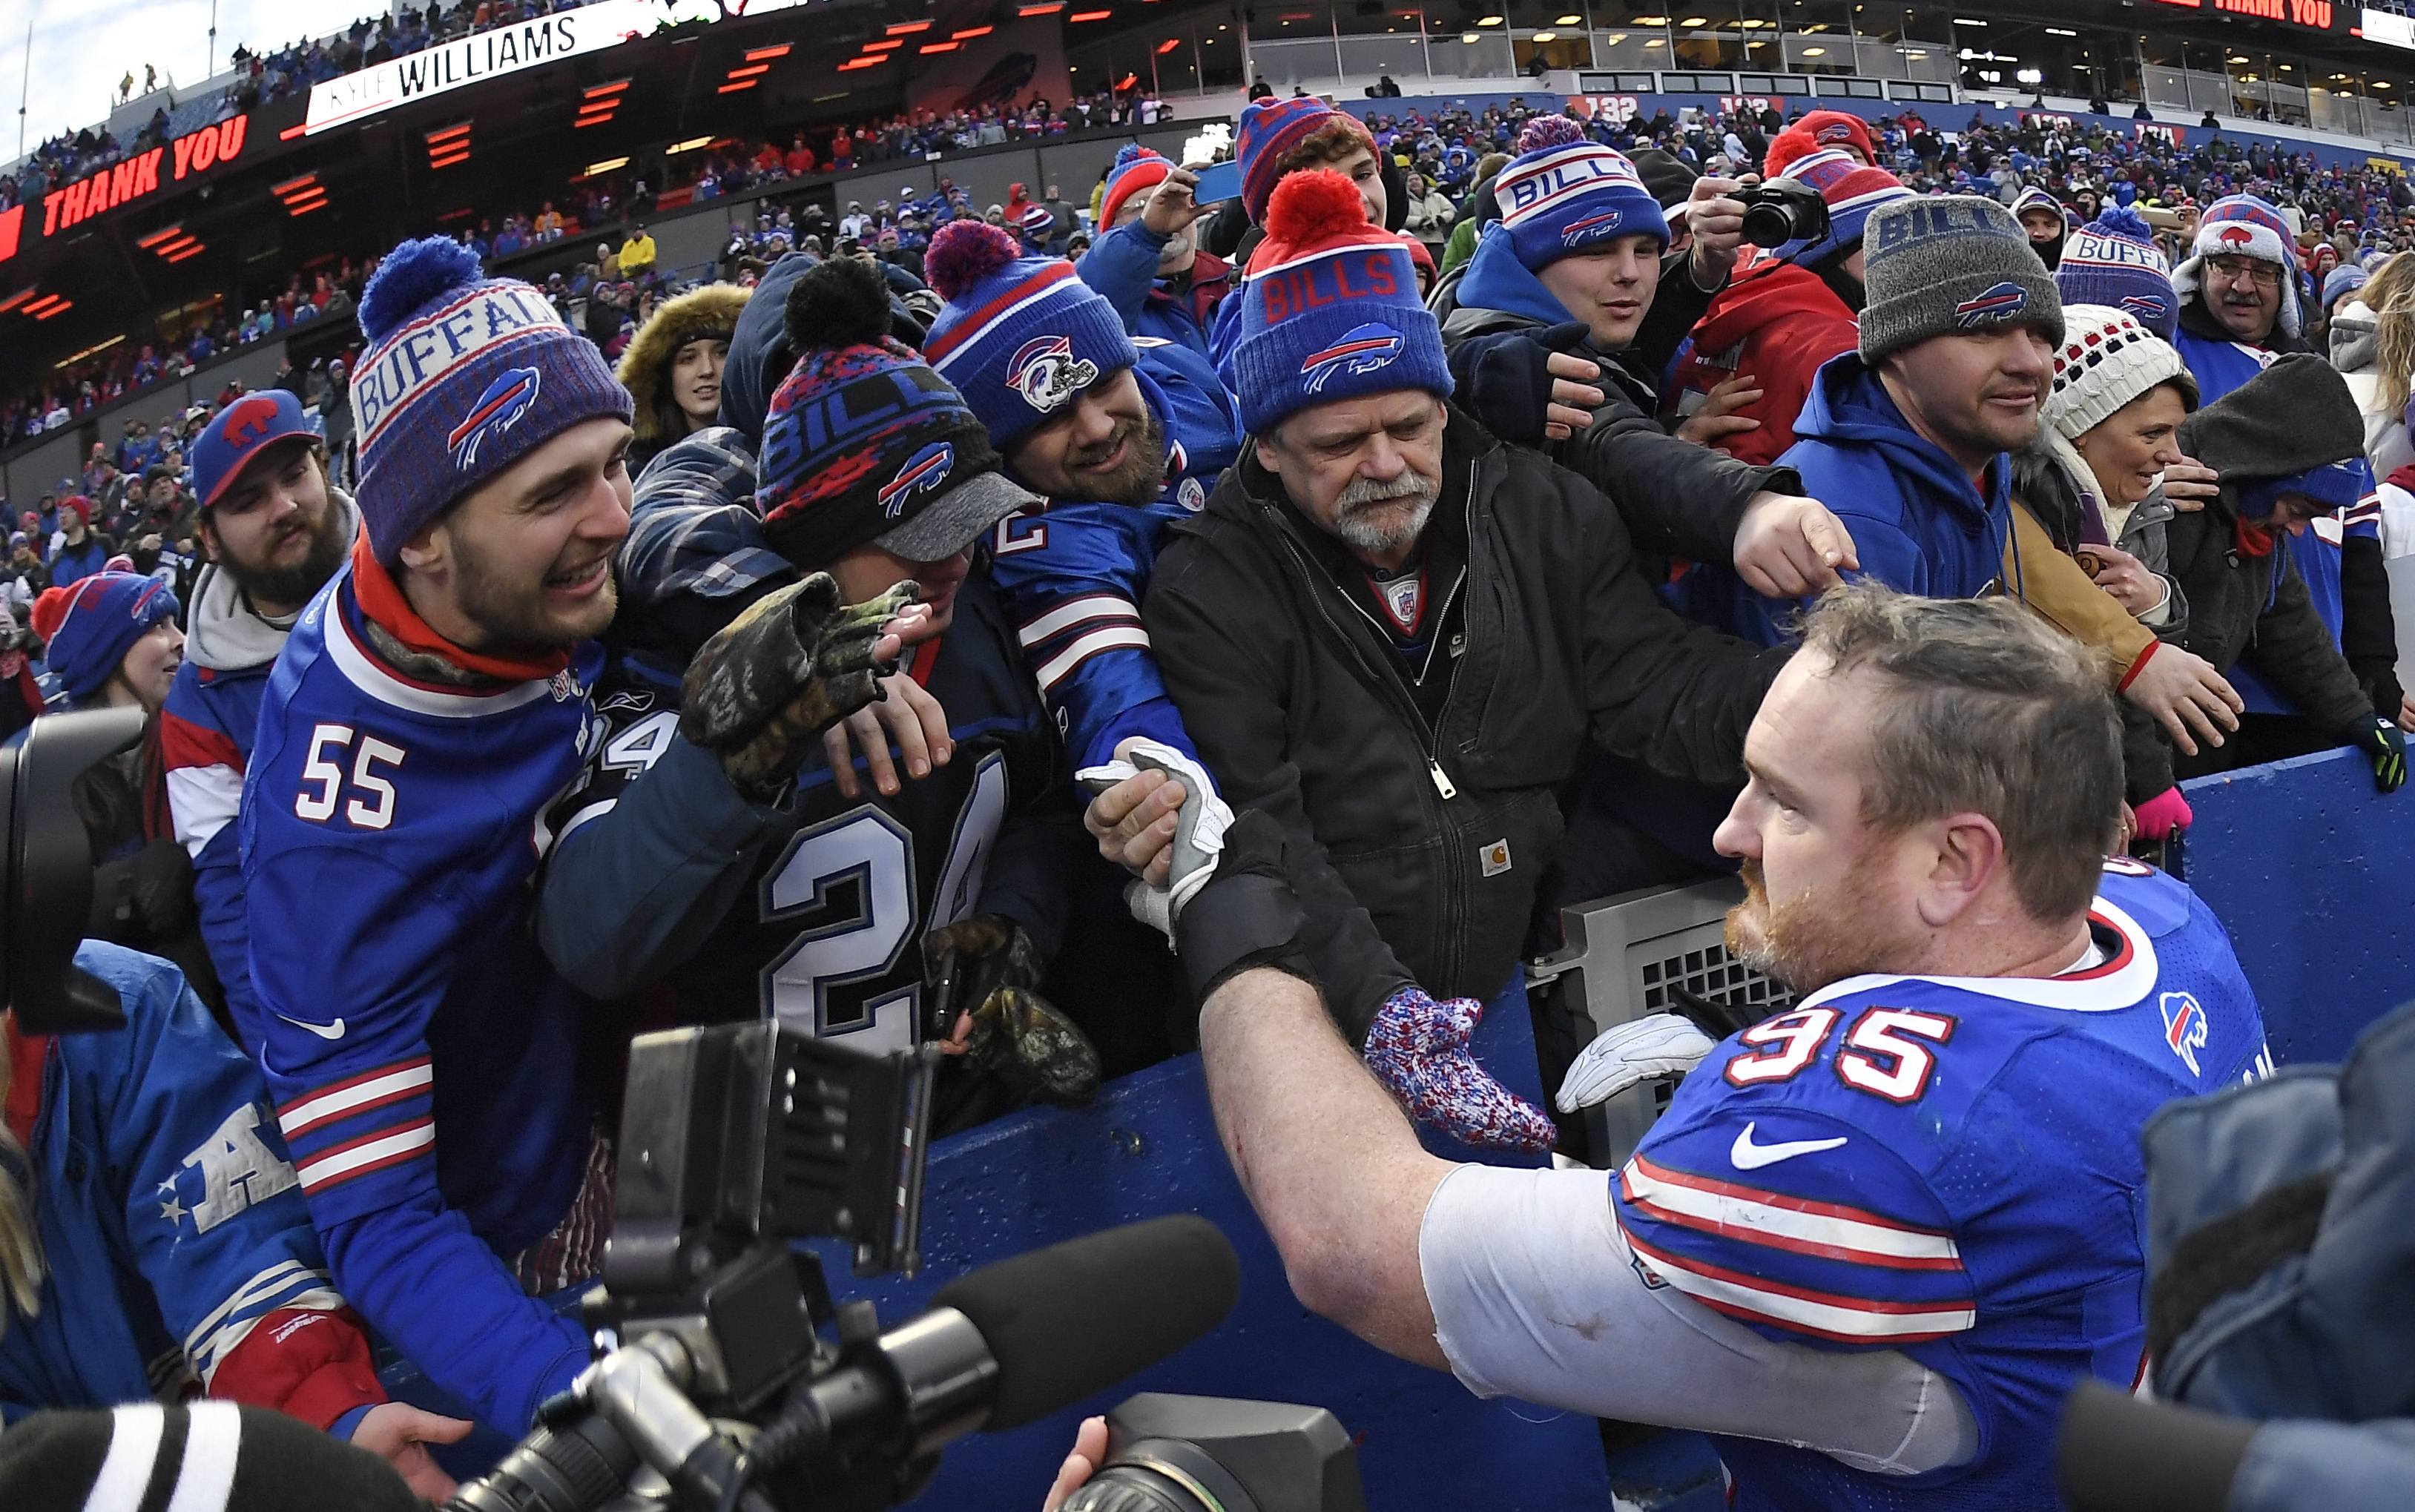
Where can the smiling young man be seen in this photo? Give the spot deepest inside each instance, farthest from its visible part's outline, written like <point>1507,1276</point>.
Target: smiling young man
<point>1875,1238</point>
<point>277,530</point>
<point>426,707</point>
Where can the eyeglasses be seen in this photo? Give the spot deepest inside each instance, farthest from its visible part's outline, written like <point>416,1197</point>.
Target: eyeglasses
<point>2255,270</point>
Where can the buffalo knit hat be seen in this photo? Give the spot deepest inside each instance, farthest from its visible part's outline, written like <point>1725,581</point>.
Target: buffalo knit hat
<point>2113,260</point>
<point>464,376</point>
<point>1556,201</point>
<point>1851,189</point>
<point>865,443</point>
<point>90,625</point>
<point>1021,335</point>
<point>2108,358</point>
<point>1268,132</point>
<point>1939,265</point>
<point>1138,170</point>
<point>2241,225</point>
<point>1819,132</point>
<point>1332,311</point>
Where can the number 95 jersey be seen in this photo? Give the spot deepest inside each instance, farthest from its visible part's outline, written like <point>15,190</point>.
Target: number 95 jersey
<point>1950,1167</point>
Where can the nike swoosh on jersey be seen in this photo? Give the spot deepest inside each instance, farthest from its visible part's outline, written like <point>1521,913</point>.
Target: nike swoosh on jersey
<point>1749,1156</point>
<point>336,1030</point>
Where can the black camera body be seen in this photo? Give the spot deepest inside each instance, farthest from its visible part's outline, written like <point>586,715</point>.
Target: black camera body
<point>1783,210</point>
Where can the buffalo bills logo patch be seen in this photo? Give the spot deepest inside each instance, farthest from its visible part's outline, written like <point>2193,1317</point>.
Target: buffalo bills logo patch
<point>2146,307</point>
<point>1999,302</point>
<point>923,472</point>
<point>1361,350</point>
<point>2185,1028</point>
<point>511,396</point>
<point>2232,236</point>
<point>1836,131</point>
<point>1047,374</point>
<point>247,421</point>
<point>1589,228</point>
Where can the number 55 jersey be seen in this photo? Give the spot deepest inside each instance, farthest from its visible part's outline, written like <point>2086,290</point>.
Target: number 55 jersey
<point>1949,1167</point>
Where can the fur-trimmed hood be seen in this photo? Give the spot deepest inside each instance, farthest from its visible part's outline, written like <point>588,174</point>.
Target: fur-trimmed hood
<point>711,311</point>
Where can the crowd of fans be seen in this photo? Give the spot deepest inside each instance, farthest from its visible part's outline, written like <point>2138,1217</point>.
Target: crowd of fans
<point>1465,520</point>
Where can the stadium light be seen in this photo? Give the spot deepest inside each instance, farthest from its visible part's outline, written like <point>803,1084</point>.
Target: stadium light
<point>165,234</point>
<point>689,145</point>
<point>60,309</point>
<point>606,165</point>
<point>750,71</point>
<point>907,28</point>
<point>16,299</point>
<point>938,46</point>
<point>1041,11</point>
<point>972,31</point>
<point>1090,15</point>
<point>883,47</point>
<point>610,87</point>
<point>758,54</point>
<point>726,89</point>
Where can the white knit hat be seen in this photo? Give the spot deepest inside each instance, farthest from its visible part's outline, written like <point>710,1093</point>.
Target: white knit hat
<point>2107,360</point>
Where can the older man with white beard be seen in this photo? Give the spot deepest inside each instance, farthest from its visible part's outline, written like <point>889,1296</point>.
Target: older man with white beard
<point>1392,633</point>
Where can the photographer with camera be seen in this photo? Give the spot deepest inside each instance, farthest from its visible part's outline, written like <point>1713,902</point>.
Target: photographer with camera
<point>1786,310</point>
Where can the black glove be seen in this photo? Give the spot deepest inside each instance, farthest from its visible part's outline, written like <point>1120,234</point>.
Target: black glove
<point>794,663</point>
<point>2386,745</point>
<point>1505,379</point>
<point>1247,915</point>
<point>986,967</point>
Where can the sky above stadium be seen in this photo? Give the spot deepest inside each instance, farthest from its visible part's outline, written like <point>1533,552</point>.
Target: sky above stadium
<point>82,51</point>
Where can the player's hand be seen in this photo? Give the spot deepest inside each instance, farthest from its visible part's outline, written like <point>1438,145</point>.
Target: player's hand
<point>906,716</point>
<point>1418,1049</point>
<point>1788,547</point>
<point>793,663</point>
<point>2187,696</point>
<point>1718,419</point>
<point>2127,579</point>
<point>982,977</point>
<point>1717,218</point>
<point>1576,394</point>
<point>1656,1044</point>
<point>1199,819</point>
<point>1172,204</point>
<point>1090,1453</point>
<point>2385,745</point>
<point>398,1433</point>
<point>2189,483</point>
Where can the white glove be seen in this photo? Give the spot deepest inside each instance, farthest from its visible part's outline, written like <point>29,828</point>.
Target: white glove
<point>1199,827</point>
<point>1656,1044</point>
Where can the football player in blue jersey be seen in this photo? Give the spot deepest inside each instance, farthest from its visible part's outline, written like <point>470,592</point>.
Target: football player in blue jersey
<point>432,700</point>
<point>1875,1238</point>
<point>844,913</point>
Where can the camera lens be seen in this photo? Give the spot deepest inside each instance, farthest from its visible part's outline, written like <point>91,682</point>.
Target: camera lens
<point>1769,225</point>
<point>1162,1476</point>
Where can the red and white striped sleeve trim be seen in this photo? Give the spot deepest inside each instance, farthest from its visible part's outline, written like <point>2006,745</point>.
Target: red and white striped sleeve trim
<point>1847,1320</point>
<point>372,1088</point>
<point>1796,1225</point>
<point>370,1152</point>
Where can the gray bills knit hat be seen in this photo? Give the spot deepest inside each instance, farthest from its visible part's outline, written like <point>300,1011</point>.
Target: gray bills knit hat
<point>1943,264</point>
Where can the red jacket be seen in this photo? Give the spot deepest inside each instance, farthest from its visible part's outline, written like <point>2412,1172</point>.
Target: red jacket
<point>1779,322</point>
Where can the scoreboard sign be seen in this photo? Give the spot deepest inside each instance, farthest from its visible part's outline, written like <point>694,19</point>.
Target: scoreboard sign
<point>435,70</point>
<point>124,183</point>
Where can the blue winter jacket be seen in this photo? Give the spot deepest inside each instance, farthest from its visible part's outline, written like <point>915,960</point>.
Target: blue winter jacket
<point>1917,523</point>
<point>1121,266</point>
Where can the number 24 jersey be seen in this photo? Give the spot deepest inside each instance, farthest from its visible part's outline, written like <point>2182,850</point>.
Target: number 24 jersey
<point>1950,1167</point>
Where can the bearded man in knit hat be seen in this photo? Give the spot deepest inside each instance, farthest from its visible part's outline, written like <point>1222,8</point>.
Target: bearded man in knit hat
<point>1911,434</point>
<point>1148,264</point>
<point>1392,633</point>
<point>684,862</point>
<point>431,702</point>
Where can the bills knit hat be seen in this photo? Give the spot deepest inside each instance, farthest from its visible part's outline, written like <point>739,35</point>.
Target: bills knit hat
<point>240,432</point>
<point>2341,281</point>
<point>1560,201</point>
<point>2113,260</point>
<point>2241,225</point>
<point>1138,170</point>
<point>865,443</point>
<point>90,625</point>
<point>2108,358</point>
<point>463,377</point>
<point>1332,312</point>
<point>1022,336</point>
<point>1269,132</point>
<point>1938,265</point>
<point>1851,191</point>
<point>1819,132</point>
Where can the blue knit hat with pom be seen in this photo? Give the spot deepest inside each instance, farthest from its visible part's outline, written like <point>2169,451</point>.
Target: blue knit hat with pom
<point>2113,260</point>
<point>464,376</point>
<point>1022,336</point>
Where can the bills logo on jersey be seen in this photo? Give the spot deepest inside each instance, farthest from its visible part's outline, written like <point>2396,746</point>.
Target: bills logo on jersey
<point>1047,374</point>
<point>2128,866</point>
<point>2184,1027</point>
<point>2146,307</point>
<point>2000,301</point>
<point>1587,228</point>
<point>1403,600</point>
<point>512,395</point>
<point>923,472</point>
<point>1190,494</point>
<point>1361,350</point>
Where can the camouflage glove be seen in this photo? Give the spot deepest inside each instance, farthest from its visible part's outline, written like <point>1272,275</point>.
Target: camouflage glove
<point>986,967</point>
<point>794,663</point>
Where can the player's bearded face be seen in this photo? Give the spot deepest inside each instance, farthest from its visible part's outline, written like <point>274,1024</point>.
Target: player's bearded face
<point>1821,934</point>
